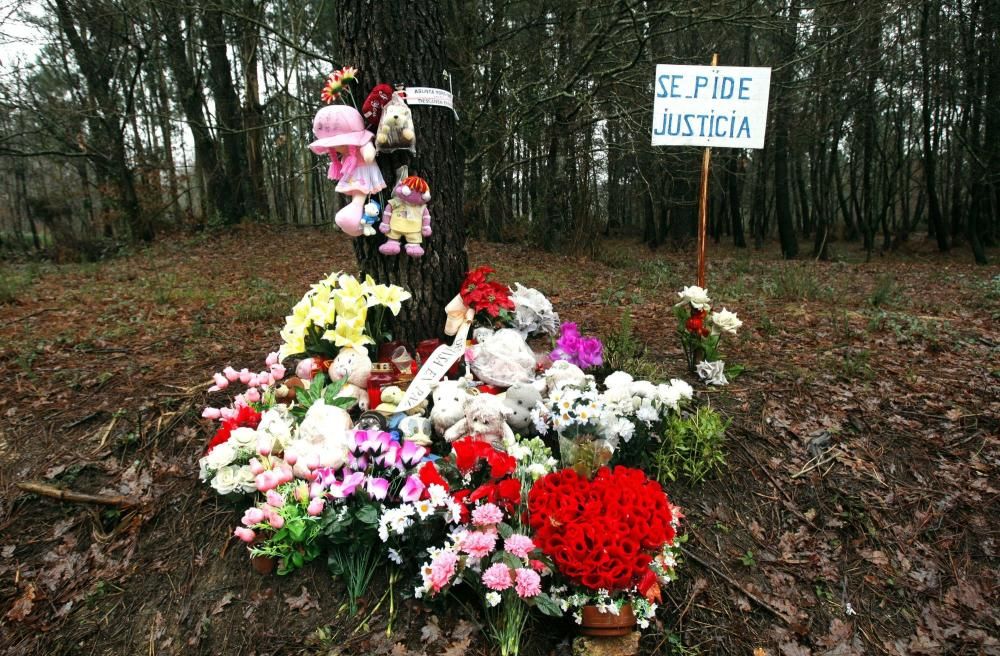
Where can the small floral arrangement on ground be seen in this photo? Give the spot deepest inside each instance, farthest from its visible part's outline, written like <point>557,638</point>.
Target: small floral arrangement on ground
<point>700,329</point>
<point>611,536</point>
<point>339,312</point>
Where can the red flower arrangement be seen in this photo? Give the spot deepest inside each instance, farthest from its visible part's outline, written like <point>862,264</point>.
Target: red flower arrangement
<point>483,295</point>
<point>601,533</point>
<point>492,470</point>
<point>245,417</point>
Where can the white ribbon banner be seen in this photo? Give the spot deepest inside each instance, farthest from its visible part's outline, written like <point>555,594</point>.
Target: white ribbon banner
<point>429,96</point>
<point>437,365</point>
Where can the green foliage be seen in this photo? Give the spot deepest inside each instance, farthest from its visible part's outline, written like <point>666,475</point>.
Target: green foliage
<point>355,552</point>
<point>263,302</point>
<point>624,352</point>
<point>320,389</point>
<point>747,559</point>
<point>692,446</point>
<point>797,284</point>
<point>885,290</point>
<point>14,281</point>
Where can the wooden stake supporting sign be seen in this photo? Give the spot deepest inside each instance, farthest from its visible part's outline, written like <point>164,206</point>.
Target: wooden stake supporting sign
<point>710,106</point>
<point>706,162</point>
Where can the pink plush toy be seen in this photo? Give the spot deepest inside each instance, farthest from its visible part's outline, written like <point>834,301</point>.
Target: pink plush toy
<point>341,134</point>
<point>406,216</point>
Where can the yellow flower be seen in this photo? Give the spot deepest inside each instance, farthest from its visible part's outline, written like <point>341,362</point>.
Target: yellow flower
<point>293,342</point>
<point>368,286</point>
<point>350,286</point>
<point>349,332</point>
<point>390,296</point>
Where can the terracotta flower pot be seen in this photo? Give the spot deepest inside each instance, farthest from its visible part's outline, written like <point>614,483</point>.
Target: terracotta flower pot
<point>263,565</point>
<point>598,623</point>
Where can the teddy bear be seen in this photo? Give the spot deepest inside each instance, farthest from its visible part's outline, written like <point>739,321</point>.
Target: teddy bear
<point>406,217</point>
<point>395,128</point>
<point>561,374</point>
<point>391,396</point>
<point>448,404</point>
<point>520,399</point>
<point>501,358</point>
<point>353,364</point>
<point>485,417</point>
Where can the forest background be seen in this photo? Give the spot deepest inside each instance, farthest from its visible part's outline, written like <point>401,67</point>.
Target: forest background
<point>150,117</point>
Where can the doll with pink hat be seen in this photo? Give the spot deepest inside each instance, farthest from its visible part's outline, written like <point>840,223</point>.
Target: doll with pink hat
<point>341,134</point>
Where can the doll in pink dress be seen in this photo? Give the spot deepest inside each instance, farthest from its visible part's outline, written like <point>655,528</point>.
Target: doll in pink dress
<point>341,134</point>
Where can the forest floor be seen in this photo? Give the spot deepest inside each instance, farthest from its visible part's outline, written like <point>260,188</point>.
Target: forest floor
<point>857,512</point>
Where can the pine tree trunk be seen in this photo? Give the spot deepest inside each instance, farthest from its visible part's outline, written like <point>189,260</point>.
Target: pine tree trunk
<point>399,42</point>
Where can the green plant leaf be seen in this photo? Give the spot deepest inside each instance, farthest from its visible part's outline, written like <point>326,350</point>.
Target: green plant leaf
<point>547,606</point>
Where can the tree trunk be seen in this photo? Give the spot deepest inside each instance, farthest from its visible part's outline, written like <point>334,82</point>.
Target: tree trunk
<point>404,42</point>
<point>937,221</point>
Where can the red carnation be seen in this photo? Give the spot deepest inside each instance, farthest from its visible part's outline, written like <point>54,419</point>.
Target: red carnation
<point>245,417</point>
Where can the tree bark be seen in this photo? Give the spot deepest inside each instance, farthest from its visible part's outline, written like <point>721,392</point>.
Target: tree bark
<point>404,42</point>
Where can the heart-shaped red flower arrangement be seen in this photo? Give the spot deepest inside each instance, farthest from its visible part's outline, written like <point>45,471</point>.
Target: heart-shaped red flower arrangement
<point>601,533</point>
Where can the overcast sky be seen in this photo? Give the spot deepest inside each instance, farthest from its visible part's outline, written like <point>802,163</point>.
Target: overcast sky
<point>19,41</point>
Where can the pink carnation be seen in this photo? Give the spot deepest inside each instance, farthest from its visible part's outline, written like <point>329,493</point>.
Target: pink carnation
<point>442,569</point>
<point>478,543</point>
<point>487,514</point>
<point>497,577</point>
<point>519,545</point>
<point>527,583</point>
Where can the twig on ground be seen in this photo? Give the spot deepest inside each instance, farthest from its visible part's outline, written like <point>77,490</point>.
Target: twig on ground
<point>76,497</point>
<point>27,316</point>
<point>728,579</point>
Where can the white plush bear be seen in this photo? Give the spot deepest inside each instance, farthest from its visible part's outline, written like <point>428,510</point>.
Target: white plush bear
<point>485,418</point>
<point>561,374</point>
<point>396,126</point>
<point>448,404</point>
<point>520,399</point>
<point>354,365</point>
<point>502,359</point>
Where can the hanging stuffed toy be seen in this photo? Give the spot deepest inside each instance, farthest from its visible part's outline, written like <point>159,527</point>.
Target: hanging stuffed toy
<point>340,133</point>
<point>395,129</point>
<point>370,218</point>
<point>371,109</point>
<point>406,216</point>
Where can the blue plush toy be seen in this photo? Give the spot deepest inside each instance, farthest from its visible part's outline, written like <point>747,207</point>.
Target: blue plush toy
<point>370,217</point>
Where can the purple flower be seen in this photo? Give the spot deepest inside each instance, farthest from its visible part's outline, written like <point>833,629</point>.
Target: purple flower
<point>591,353</point>
<point>345,488</point>
<point>377,488</point>
<point>412,490</point>
<point>412,453</point>
<point>372,441</point>
<point>391,456</point>
<point>569,328</point>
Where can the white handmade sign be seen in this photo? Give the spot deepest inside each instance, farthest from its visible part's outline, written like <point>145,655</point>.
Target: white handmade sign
<point>433,370</point>
<point>712,106</point>
<point>429,96</point>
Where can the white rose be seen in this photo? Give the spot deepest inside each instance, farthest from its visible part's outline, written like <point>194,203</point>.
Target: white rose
<point>244,437</point>
<point>696,296</point>
<point>245,479</point>
<point>713,373</point>
<point>726,321</point>
<point>277,424</point>
<point>227,479</point>
<point>220,456</point>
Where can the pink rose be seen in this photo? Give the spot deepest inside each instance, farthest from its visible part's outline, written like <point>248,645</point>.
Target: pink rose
<point>245,534</point>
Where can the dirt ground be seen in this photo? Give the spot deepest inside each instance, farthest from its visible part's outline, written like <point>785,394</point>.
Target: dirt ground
<point>857,514</point>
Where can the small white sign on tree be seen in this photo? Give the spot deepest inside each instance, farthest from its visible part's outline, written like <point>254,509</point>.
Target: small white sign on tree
<point>711,106</point>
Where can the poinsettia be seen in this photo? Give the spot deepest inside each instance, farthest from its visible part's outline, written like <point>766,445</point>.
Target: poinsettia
<point>487,297</point>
